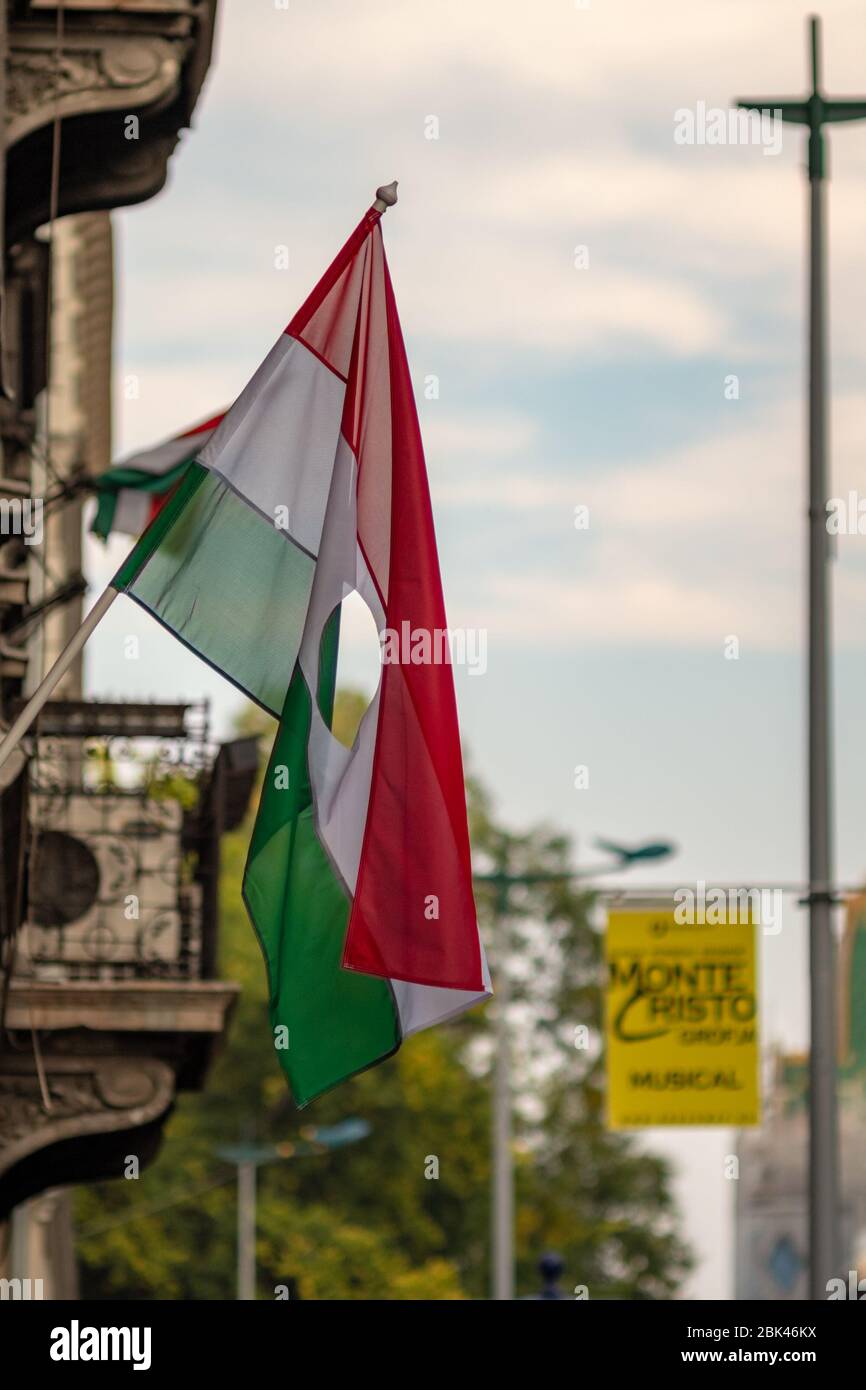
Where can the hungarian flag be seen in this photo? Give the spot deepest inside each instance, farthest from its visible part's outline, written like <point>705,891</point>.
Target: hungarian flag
<point>129,494</point>
<point>358,879</point>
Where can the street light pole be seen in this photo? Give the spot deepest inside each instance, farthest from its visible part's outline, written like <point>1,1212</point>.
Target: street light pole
<point>247,1156</point>
<point>823,1106</point>
<point>824,1243</point>
<point>247,1230</point>
<point>502,1209</point>
<point>502,1203</point>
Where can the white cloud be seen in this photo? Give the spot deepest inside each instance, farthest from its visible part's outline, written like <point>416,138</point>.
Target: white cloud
<point>479,435</point>
<point>375,53</point>
<point>705,541</point>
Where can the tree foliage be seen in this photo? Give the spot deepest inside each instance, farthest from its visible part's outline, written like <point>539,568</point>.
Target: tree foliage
<point>373,1220</point>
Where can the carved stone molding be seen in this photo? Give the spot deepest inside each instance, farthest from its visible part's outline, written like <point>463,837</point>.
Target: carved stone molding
<point>88,1097</point>
<point>116,61</point>
<point>96,72</point>
<point>115,1055</point>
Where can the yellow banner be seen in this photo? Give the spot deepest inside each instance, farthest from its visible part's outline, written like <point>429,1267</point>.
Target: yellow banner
<point>682,1021</point>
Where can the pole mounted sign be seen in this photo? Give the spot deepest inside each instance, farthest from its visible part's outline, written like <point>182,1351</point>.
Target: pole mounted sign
<point>681,1022</point>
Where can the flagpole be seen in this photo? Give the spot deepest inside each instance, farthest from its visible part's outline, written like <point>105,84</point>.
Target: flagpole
<point>49,683</point>
<point>502,1210</point>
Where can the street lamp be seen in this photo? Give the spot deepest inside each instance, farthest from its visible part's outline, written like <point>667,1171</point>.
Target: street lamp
<point>248,1157</point>
<point>502,1204</point>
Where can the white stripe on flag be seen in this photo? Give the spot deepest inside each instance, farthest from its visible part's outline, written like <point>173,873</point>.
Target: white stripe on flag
<point>164,457</point>
<point>132,511</point>
<point>341,777</point>
<point>276,446</point>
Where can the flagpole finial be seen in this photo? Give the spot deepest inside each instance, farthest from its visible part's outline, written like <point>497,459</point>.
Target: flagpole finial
<point>386,197</point>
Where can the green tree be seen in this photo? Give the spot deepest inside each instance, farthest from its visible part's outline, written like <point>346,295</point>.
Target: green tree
<point>405,1212</point>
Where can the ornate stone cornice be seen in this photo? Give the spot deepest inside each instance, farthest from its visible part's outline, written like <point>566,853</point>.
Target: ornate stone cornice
<point>87,1096</point>
<point>114,1055</point>
<point>99,72</point>
<point>116,61</point>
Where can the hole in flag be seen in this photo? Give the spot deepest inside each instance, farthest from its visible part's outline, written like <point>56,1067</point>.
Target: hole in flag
<point>358,665</point>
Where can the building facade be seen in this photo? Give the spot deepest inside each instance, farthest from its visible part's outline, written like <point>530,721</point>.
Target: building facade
<point>110,814</point>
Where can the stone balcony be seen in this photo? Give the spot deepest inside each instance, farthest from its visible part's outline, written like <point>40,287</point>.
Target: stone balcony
<point>111,1006</point>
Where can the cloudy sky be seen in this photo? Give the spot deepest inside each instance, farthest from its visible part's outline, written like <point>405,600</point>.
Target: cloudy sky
<point>584,288</point>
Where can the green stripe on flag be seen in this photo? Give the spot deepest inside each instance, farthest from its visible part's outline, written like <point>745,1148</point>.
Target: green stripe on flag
<point>227,582</point>
<point>339,1021</point>
<point>106,506</point>
<point>136,480</point>
<point>159,527</point>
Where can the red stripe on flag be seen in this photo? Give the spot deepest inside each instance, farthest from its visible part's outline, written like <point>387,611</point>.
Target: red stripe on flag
<point>330,294</point>
<point>205,425</point>
<point>413,915</point>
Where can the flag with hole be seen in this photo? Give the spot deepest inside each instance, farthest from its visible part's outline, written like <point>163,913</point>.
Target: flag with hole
<point>358,879</point>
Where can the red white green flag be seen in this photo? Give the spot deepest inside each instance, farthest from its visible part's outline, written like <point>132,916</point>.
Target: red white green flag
<point>358,879</point>
<point>130,493</point>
